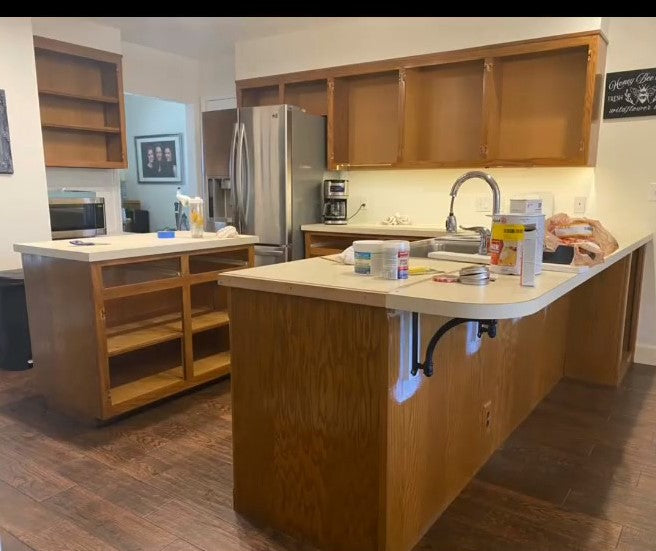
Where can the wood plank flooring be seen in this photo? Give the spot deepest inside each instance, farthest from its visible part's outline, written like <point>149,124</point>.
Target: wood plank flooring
<point>578,475</point>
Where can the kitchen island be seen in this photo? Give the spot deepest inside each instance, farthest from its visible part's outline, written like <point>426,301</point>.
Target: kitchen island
<point>128,320</point>
<point>336,441</point>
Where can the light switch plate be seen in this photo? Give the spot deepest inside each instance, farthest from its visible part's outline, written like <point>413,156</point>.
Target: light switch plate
<point>579,204</point>
<point>651,192</point>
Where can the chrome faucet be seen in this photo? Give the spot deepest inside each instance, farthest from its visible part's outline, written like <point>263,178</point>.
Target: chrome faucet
<point>451,222</point>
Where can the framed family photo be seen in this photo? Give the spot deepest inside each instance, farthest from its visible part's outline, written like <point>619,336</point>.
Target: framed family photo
<point>159,159</point>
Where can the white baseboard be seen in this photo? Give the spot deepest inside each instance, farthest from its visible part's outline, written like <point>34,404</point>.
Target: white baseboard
<point>645,354</point>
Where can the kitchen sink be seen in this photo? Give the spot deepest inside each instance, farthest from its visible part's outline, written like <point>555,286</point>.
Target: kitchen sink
<point>466,243</point>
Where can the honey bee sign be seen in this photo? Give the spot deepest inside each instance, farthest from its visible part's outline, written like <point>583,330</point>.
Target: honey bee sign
<point>630,94</point>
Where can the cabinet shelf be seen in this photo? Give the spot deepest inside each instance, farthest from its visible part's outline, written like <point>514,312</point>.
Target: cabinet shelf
<point>156,330</point>
<point>81,128</point>
<point>83,97</point>
<point>211,365</point>
<point>137,390</point>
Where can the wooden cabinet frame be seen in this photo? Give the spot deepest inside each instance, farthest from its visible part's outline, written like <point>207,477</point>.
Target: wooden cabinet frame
<point>99,353</point>
<point>82,105</point>
<point>569,138</point>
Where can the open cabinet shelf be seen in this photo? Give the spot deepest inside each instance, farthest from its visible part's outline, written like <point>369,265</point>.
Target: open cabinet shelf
<point>444,113</point>
<point>81,105</point>
<point>526,103</point>
<point>365,112</point>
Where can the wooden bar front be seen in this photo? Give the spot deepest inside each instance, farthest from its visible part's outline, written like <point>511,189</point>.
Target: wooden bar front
<point>337,444</point>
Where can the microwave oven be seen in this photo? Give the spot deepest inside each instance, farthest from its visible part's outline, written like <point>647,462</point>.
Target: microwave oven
<point>77,216</point>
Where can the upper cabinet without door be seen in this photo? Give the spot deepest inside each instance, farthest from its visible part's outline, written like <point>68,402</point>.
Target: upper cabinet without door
<point>81,103</point>
<point>530,103</point>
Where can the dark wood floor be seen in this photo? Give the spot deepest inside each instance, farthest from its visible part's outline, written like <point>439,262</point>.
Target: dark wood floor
<point>578,475</point>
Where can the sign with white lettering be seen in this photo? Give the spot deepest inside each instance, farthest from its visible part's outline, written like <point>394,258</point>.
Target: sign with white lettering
<point>630,94</point>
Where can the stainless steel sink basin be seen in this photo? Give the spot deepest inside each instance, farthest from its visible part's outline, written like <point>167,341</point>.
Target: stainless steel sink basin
<point>458,243</point>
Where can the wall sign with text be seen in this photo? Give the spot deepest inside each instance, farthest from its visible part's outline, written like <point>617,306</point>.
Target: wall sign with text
<point>630,94</point>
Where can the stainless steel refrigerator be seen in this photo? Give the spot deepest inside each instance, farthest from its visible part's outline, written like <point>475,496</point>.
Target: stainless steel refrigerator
<point>263,171</point>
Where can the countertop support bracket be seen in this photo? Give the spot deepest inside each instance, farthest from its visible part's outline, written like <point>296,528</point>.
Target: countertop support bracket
<point>484,326</point>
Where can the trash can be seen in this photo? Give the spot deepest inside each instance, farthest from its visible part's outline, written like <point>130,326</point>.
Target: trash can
<point>15,346</point>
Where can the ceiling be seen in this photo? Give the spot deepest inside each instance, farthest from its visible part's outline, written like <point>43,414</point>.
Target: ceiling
<point>202,37</point>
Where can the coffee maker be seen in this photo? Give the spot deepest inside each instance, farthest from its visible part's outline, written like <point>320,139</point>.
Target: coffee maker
<point>335,193</point>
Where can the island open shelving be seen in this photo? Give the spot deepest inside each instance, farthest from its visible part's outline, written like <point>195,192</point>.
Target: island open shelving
<point>126,332</point>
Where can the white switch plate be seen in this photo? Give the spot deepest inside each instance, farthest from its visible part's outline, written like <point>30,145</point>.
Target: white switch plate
<point>651,193</point>
<point>579,204</point>
<point>483,203</point>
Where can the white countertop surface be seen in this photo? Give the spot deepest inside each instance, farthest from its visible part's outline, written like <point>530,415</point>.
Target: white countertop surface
<point>129,245</point>
<point>501,299</point>
<point>410,230</point>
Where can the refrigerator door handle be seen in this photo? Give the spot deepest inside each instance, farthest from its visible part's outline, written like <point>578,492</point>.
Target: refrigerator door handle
<point>246,197</point>
<point>240,178</point>
<point>231,169</point>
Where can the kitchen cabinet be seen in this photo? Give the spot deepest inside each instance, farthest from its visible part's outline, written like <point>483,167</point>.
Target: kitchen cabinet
<point>325,243</point>
<point>114,335</point>
<point>81,105</point>
<point>528,103</point>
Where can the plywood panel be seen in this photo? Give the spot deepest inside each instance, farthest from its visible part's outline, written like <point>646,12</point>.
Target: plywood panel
<point>311,96</point>
<point>436,438</point>
<point>265,95</point>
<point>542,103</point>
<point>373,118</point>
<point>67,73</point>
<point>444,112</point>
<point>595,348</point>
<point>63,145</point>
<point>61,311</point>
<point>306,391</point>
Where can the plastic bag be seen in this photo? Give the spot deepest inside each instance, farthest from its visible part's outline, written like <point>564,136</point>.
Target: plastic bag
<point>589,249</point>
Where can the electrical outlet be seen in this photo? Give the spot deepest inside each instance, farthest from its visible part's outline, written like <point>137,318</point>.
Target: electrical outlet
<point>651,192</point>
<point>482,203</point>
<point>486,416</point>
<point>579,204</point>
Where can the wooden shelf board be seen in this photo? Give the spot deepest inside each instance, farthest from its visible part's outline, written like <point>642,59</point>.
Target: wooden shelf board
<point>219,363</point>
<point>136,335</point>
<point>204,321</point>
<point>77,163</point>
<point>154,383</point>
<point>81,128</point>
<point>146,335</point>
<point>84,97</point>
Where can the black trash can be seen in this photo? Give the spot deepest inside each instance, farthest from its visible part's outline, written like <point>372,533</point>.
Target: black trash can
<point>15,346</point>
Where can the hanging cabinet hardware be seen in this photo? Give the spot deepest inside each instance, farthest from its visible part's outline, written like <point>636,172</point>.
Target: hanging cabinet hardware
<point>484,326</point>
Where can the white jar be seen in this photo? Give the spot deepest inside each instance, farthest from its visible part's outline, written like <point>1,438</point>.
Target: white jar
<point>367,256</point>
<point>395,256</point>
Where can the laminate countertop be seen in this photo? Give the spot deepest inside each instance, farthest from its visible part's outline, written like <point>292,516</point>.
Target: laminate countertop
<point>113,247</point>
<point>410,230</point>
<point>325,278</point>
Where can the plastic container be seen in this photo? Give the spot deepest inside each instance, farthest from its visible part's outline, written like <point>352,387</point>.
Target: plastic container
<point>527,273</point>
<point>526,205</point>
<point>395,256</point>
<point>367,256</point>
<point>197,225</point>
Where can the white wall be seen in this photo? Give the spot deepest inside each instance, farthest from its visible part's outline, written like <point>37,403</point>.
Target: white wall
<point>373,38</point>
<point>217,78</point>
<point>625,166</point>
<point>24,215</point>
<point>150,72</point>
<point>77,30</point>
<point>151,116</point>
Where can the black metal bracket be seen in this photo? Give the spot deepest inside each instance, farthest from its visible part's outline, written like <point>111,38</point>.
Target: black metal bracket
<point>484,326</point>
